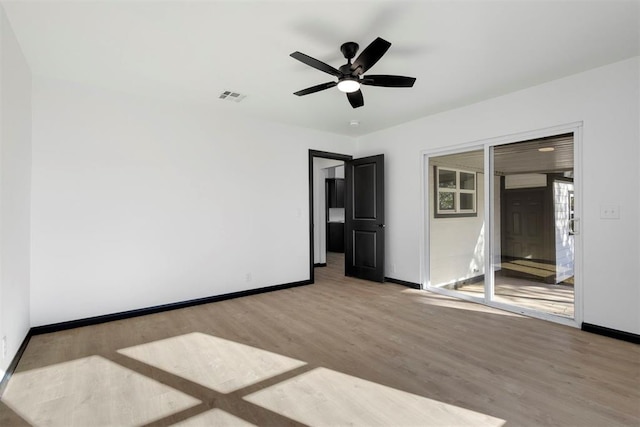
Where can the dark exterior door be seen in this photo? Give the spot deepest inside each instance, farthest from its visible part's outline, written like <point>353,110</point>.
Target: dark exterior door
<point>526,233</point>
<point>364,218</point>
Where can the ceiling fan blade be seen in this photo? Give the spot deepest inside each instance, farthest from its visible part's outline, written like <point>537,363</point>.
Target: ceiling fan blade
<point>318,65</point>
<point>370,55</point>
<point>388,81</point>
<point>314,89</point>
<point>356,99</point>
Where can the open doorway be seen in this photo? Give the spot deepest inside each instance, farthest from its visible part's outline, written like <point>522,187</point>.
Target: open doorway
<point>328,212</point>
<point>362,215</point>
<point>326,178</point>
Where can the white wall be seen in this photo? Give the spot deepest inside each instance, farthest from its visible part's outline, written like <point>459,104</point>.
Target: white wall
<point>525,180</point>
<point>15,175</point>
<point>138,203</point>
<point>606,100</point>
<point>457,244</point>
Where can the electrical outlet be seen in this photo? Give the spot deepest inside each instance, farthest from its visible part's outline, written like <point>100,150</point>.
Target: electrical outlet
<point>393,268</point>
<point>609,212</point>
<point>248,277</point>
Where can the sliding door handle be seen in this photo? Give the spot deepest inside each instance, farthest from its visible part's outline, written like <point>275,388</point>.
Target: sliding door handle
<point>574,226</point>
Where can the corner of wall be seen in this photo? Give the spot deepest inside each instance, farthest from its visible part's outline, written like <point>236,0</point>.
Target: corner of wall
<point>15,194</point>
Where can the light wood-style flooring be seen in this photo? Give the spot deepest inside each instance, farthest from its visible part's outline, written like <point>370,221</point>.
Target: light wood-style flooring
<point>527,284</point>
<point>341,351</point>
<point>534,295</point>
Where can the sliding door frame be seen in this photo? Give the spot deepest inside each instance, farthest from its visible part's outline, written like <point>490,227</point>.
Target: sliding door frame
<point>487,145</point>
<point>427,201</point>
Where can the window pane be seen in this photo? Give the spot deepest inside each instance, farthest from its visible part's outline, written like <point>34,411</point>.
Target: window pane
<point>466,201</point>
<point>446,201</point>
<point>446,179</point>
<point>467,181</point>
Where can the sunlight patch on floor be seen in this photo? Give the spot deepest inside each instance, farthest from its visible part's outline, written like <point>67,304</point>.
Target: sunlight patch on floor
<point>429,298</point>
<point>216,363</point>
<point>98,392</point>
<point>552,299</point>
<point>324,397</point>
<point>91,391</point>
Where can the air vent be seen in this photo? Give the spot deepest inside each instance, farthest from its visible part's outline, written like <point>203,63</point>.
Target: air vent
<point>232,96</point>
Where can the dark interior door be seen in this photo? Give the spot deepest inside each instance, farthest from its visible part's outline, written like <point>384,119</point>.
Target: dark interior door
<point>364,218</point>
<point>525,235</point>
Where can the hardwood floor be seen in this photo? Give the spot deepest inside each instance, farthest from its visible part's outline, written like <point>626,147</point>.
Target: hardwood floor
<point>337,352</point>
<point>552,299</point>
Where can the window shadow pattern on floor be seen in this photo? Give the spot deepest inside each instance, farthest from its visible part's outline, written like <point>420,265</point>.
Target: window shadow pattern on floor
<point>200,379</point>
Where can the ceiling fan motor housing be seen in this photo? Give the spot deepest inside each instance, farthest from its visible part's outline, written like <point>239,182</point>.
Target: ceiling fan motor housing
<point>349,50</point>
<point>346,69</point>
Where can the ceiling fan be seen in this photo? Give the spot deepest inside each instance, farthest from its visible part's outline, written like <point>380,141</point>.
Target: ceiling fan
<point>350,75</point>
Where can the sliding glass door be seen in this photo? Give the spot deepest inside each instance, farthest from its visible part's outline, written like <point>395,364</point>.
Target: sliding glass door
<point>534,209</point>
<point>502,225</point>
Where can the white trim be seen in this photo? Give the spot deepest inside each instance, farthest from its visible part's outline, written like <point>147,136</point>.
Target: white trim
<point>533,313</point>
<point>578,301</point>
<point>487,145</point>
<point>424,215</point>
<point>457,295</point>
<point>524,136</point>
<point>489,224</point>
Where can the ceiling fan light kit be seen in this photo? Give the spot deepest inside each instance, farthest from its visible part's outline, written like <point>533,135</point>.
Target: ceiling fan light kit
<point>350,75</point>
<point>348,85</point>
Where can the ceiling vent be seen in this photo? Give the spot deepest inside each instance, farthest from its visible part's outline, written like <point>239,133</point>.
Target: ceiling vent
<point>232,96</point>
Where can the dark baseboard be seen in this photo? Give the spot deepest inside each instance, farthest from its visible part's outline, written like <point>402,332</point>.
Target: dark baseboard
<point>611,333</point>
<point>403,283</point>
<point>14,363</point>
<point>38,330</point>
<point>320,264</point>
<point>158,309</point>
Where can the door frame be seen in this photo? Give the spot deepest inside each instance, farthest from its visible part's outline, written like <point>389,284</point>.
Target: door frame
<point>322,155</point>
<point>487,145</point>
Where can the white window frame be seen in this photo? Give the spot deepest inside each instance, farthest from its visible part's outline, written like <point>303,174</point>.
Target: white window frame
<point>457,191</point>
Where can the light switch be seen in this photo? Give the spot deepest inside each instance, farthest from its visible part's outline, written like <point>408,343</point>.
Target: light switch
<point>609,212</point>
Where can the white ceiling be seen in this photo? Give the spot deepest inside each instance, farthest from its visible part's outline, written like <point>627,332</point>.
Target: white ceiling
<point>190,51</point>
